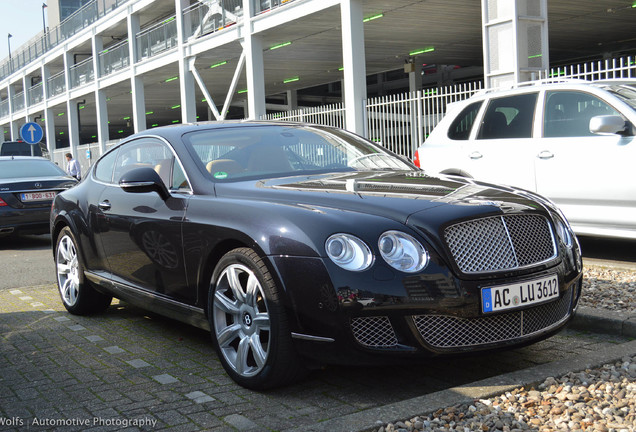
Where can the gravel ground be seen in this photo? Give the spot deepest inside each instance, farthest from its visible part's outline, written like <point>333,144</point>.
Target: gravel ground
<point>609,289</point>
<point>600,400</point>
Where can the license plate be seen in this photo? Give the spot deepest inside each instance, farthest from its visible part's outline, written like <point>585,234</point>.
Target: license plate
<point>502,297</point>
<point>37,196</point>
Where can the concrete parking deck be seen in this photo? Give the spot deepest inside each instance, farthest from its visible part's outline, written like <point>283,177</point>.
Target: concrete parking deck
<point>128,369</point>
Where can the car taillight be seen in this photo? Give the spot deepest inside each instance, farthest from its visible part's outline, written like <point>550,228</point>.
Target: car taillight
<point>416,159</point>
<point>2,203</point>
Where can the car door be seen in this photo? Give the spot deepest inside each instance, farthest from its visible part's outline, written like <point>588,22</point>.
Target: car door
<point>588,176</point>
<point>502,149</point>
<point>142,236</point>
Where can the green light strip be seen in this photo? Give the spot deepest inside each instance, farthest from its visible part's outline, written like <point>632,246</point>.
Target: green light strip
<point>150,112</point>
<point>82,107</point>
<point>218,64</point>
<point>154,125</point>
<point>373,17</point>
<point>288,80</point>
<point>172,79</point>
<point>176,121</point>
<point>60,114</point>
<point>535,56</point>
<point>242,91</point>
<point>422,51</point>
<point>126,118</point>
<point>175,107</point>
<point>284,44</point>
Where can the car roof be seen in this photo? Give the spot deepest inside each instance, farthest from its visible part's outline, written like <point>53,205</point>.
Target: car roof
<point>4,158</point>
<point>529,86</point>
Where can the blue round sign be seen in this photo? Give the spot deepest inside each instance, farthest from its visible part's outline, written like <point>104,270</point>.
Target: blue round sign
<point>31,133</point>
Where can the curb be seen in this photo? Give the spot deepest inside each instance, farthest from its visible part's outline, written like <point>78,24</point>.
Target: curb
<point>602,321</point>
<point>586,319</point>
<point>372,419</point>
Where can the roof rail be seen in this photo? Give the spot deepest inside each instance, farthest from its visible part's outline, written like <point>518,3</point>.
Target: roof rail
<point>534,83</point>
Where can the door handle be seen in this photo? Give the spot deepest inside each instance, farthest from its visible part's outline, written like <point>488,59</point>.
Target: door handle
<point>545,154</point>
<point>104,205</point>
<point>475,155</point>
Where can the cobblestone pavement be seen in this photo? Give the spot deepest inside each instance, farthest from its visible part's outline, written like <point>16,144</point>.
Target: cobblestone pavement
<point>126,369</point>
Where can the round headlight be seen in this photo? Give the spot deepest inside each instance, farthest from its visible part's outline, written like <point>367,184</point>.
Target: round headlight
<point>402,252</point>
<point>349,252</point>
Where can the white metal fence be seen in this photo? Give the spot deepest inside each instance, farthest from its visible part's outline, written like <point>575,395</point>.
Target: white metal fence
<point>402,122</point>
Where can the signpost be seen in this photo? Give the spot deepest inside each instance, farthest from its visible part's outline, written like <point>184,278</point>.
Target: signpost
<point>31,133</point>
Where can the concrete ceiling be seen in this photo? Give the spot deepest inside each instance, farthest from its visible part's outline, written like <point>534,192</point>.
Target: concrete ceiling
<point>578,31</point>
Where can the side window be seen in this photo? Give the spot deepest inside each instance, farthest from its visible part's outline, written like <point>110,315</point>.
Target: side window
<point>568,113</point>
<point>509,117</point>
<point>104,168</point>
<point>463,123</point>
<point>179,181</point>
<point>144,152</point>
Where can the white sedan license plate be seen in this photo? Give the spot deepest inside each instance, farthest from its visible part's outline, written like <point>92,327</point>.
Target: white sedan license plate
<point>37,196</point>
<point>502,297</point>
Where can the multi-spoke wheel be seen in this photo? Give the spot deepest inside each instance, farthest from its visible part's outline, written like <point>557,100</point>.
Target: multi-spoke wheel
<point>249,326</point>
<point>77,295</point>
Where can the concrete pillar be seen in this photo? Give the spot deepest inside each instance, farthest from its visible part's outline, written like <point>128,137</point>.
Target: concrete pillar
<point>138,103</point>
<point>101,110</point>
<point>255,65</point>
<point>73,125</point>
<point>49,130</point>
<point>186,79</point>
<point>355,81</point>
<point>415,76</point>
<point>292,100</point>
<point>515,41</point>
<point>98,47</point>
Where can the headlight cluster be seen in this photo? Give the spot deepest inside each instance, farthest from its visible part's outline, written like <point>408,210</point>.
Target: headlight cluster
<point>401,251</point>
<point>563,231</point>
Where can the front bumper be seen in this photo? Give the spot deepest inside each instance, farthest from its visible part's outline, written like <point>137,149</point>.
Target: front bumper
<point>372,317</point>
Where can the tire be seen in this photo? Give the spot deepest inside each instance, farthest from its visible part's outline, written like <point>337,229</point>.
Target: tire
<point>249,326</point>
<point>78,296</point>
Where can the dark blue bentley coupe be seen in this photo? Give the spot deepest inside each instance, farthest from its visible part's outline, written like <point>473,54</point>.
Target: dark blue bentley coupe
<point>299,245</point>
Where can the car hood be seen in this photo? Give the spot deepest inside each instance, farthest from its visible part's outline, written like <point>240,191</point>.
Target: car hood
<point>403,196</point>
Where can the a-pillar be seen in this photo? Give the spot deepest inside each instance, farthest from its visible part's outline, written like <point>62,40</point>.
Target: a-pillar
<point>254,66</point>
<point>186,79</point>
<point>515,41</point>
<point>355,82</point>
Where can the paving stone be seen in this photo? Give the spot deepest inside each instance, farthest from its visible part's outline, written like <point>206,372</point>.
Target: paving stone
<point>138,363</point>
<point>114,350</point>
<point>165,379</point>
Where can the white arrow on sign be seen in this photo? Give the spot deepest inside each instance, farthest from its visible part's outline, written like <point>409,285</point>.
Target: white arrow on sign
<point>31,129</point>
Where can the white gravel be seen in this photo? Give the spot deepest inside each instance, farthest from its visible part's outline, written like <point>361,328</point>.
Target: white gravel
<point>600,400</point>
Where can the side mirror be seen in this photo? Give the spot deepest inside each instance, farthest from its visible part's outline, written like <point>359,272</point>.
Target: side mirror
<point>608,124</point>
<point>142,180</point>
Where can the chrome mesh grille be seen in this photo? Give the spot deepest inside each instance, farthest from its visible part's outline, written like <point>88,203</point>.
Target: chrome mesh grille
<point>376,332</point>
<point>451,332</point>
<point>500,243</point>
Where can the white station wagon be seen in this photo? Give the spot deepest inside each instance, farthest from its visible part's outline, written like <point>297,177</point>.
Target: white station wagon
<point>573,142</point>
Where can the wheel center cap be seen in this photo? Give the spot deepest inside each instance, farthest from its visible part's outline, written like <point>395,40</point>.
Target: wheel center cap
<point>247,319</point>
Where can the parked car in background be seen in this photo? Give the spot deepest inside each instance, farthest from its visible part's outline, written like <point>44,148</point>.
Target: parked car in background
<point>572,142</point>
<point>302,244</point>
<point>27,188</point>
<point>19,148</point>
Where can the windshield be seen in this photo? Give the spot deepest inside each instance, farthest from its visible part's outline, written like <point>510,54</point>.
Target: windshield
<point>625,92</point>
<point>23,168</point>
<point>268,150</point>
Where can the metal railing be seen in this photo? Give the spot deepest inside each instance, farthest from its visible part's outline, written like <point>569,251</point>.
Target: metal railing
<point>210,16</point>
<point>622,67</point>
<point>82,73</point>
<point>157,38</point>
<point>267,5</point>
<point>56,85</point>
<point>18,101</point>
<point>114,58</point>
<point>44,42</point>
<point>4,108</point>
<point>329,115</point>
<point>35,94</point>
